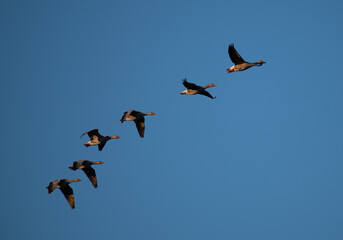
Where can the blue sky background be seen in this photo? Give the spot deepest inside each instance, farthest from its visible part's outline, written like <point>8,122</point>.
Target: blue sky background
<point>261,161</point>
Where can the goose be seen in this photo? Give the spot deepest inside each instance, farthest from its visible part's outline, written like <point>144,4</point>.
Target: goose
<point>195,89</point>
<point>240,64</point>
<point>97,139</point>
<point>138,118</point>
<point>63,185</point>
<point>86,166</point>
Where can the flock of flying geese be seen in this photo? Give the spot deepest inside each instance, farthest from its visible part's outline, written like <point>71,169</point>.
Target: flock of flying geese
<point>138,117</point>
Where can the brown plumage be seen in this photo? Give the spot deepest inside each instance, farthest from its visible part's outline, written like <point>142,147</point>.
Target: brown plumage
<point>138,118</point>
<point>86,166</point>
<point>193,89</point>
<point>240,63</point>
<point>63,185</point>
<point>97,139</point>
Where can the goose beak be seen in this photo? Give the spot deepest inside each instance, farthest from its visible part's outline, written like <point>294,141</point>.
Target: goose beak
<point>71,167</point>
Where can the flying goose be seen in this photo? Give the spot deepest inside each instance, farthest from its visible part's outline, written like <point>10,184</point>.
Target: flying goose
<point>97,139</point>
<point>195,89</point>
<point>63,185</point>
<point>138,118</point>
<point>240,64</point>
<point>86,166</point>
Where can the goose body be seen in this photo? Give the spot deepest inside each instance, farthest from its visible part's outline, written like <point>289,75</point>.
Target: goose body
<point>86,166</point>
<point>193,89</point>
<point>240,63</point>
<point>98,139</point>
<point>138,118</point>
<point>63,185</point>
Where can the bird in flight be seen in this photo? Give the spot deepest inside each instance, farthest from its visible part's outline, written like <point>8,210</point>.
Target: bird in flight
<point>86,166</point>
<point>138,118</point>
<point>97,139</point>
<point>63,185</point>
<point>195,89</point>
<point>240,63</point>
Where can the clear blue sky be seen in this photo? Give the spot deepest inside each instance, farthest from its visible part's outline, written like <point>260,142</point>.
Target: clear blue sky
<point>261,161</point>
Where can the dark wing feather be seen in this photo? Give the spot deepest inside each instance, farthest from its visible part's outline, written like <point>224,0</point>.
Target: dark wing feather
<point>52,186</point>
<point>189,85</point>
<point>69,195</point>
<point>140,126</point>
<point>83,134</point>
<point>92,133</point>
<point>207,94</point>
<point>126,114</point>
<point>77,164</point>
<point>136,114</point>
<point>90,172</point>
<point>101,145</point>
<point>234,55</point>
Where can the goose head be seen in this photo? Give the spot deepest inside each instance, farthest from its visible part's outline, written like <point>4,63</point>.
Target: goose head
<point>210,85</point>
<point>260,62</point>
<point>74,180</point>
